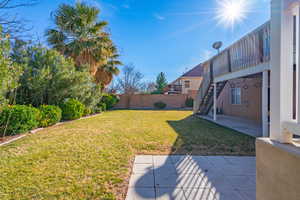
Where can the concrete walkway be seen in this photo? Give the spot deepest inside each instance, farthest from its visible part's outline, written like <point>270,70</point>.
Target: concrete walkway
<point>236,123</point>
<point>192,177</point>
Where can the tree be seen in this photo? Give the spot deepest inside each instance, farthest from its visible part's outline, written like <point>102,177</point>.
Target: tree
<point>161,83</point>
<point>12,23</point>
<point>80,35</point>
<point>131,81</point>
<point>106,72</point>
<point>9,70</point>
<point>148,87</point>
<point>50,78</point>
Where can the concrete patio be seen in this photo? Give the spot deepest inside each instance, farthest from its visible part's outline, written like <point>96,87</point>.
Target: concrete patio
<point>192,177</point>
<point>236,123</point>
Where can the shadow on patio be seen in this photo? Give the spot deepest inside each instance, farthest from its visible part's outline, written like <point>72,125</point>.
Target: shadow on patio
<point>187,175</point>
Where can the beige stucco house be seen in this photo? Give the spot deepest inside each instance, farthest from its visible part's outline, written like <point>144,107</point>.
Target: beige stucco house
<point>188,83</point>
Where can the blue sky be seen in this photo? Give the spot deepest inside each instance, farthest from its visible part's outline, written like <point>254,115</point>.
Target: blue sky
<point>170,36</point>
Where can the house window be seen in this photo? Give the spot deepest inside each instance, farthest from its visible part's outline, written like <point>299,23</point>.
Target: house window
<point>187,84</point>
<point>236,96</point>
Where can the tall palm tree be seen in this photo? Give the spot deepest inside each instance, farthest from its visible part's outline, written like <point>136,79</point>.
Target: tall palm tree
<point>106,72</point>
<point>80,35</point>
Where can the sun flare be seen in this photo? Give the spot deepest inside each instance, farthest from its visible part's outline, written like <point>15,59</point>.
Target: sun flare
<point>231,12</point>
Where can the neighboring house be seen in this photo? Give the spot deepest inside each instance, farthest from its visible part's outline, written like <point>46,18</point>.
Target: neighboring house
<point>188,83</point>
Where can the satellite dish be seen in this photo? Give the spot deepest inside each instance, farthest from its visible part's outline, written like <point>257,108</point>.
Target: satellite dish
<point>217,45</point>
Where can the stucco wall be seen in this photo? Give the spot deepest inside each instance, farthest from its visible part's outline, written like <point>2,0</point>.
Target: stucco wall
<point>277,170</point>
<point>140,101</point>
<point>250,107</point>
<point>194,84</point>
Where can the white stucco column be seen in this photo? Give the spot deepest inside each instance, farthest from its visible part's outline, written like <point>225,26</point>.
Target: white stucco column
<point>281,69</point>
<point>265,100</point>
<point>215,101</point>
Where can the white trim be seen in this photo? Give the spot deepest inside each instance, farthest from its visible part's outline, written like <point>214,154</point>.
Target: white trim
<point>243,72</point>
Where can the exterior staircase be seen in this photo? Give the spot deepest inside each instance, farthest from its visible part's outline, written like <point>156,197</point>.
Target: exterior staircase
<point>251,51</point>
<point>208,99</point>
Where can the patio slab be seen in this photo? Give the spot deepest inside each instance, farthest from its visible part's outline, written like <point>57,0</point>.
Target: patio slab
<point>236,123</point>
<point>192,177</point>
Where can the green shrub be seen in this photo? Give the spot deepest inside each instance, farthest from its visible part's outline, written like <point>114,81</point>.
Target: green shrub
<point>87,111</point>
<point>50,115</point>
<point>110,100</point>
<point>189,102</point>
<point>101,107</point>
<point>160,105</point>
<point>72,109</point>
<point>18,119</point>
<point>156,92</point>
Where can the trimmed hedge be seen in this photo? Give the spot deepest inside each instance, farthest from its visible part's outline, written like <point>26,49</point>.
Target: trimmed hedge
<point>160,105</point>
<point>18,119</point>
<point>110,100</point>
<point>72,109</point>
<point>50,115</point>
<point>189,102</point>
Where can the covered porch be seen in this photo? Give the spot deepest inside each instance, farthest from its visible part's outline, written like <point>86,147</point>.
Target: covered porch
<point>239,124</point>
<point>244,102</point>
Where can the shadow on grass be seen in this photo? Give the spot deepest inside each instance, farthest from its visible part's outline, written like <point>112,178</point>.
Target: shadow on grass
<point>184,175</point>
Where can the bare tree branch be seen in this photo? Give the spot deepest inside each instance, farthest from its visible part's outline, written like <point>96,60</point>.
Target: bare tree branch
<point>9,19</point>
<point>11,4</point>
<point>130,81</point>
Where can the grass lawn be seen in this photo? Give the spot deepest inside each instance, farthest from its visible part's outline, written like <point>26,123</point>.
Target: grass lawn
<point>91,158</point>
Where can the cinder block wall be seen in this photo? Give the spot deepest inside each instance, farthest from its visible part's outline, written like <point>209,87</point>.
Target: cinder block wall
<point>140,101</point>
<point>277,170</point>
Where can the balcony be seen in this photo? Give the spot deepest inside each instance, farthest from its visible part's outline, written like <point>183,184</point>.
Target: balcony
<point>249,55</point>
<point>174,89</point>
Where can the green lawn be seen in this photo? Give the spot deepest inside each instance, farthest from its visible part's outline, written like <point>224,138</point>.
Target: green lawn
<point>91,158</point>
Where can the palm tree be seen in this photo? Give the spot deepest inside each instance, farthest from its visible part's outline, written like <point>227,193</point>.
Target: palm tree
<point>106,72</point>
<point>80,35</point>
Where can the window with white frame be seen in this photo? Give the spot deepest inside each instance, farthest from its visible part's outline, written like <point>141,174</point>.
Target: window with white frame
<point>236,96</point>
<point>187,84</point>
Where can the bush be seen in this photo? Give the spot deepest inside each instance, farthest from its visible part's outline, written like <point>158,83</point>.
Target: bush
<point>160,105</point>
<point>110,100</point>
<point>49,78</point>
<point>72,109</point>
<point>156,92</point>
<point>189,102</point>
<point>101,107</point>
<point>19,119</point>
<point>50,115</point>
<point>87,111</point>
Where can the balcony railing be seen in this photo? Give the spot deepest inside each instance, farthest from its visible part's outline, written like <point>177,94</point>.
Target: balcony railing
<point>175,88</point>
<point>251,50</point>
